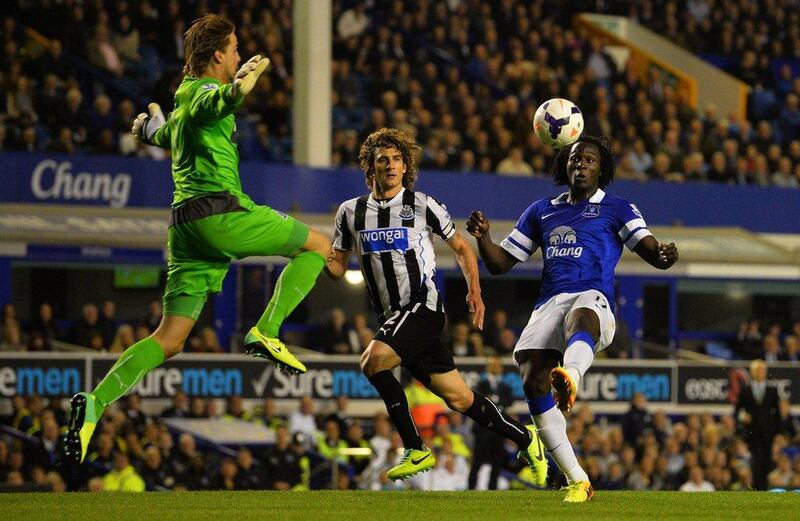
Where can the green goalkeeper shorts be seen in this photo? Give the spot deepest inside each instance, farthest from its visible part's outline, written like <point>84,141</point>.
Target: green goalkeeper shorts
<point>200,250</point>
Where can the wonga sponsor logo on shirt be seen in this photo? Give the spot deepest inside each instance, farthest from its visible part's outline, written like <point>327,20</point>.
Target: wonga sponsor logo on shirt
<point>385,239</point>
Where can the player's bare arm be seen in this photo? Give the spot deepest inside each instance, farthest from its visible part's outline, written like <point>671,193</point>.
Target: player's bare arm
<point>469,266</point>
<point>657,254</point>
<point>497,260</point>
<point>337,263</point>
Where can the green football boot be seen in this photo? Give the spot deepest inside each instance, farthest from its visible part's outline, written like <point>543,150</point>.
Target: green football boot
<point>85,412</point>
<point>536,458</point>
<point>412,462</point>
<point>272,349</point>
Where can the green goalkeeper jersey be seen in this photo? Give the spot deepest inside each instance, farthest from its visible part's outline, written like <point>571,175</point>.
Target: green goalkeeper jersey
<point>199,132</point>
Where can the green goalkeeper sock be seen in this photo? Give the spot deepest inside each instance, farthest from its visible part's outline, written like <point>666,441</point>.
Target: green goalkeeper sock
<point>138,360</point>
<point>293,285</point>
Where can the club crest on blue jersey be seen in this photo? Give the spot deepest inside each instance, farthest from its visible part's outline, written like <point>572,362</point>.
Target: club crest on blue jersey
<point>561,242</point>
<point>384,239</point>
<point>591,210</point>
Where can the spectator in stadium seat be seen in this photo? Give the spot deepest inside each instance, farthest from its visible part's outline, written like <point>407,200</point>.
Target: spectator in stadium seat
<point>697,481</point>
<point>63,144</point>
<point>488,446</point>
<point>52,61</point>
<point>37,342</point>
<point>791,349</point>
<point>197,409</point>
<point>247,476</point>
<point>19,101</point>
<point>155,472</point>
<point>303,420</point>
<point>266,414</point>
<point>329,441</point>
<point>636,420</point>
<point>154,312</point>
<point>359,325</point>
<point>783,175</point>
<point>208,342</point>
<point>11,332</point>
<point>102,54</point>
<point>180,462</point>
<point>235,409</point>
<point>514,165</point>
<point>789,119</point>
<point>497,324</point>
<point>506,342</point>
<point>225,479</point>
<point>789,425</point>
<point>179,408</point>
<point>451,472</point>
<point>771,346</point>
<point>352,22</point>
<point>459,340</point>
<point>46,323</point>
<point>757,412</point>
<point>782,475</point>
<point>73,116</point>
<point>126,40</point>
<point>123,339</point>
<point>123,477</point>
<point>354,438</point>
<point>334,334</point>
<point>644,478</point>
<point>49,447</point>
<point>134,414</point>
<point>340,414</point>
<point>282,467</point>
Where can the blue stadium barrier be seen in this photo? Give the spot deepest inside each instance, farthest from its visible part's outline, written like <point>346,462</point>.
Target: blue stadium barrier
<point>132,182</point>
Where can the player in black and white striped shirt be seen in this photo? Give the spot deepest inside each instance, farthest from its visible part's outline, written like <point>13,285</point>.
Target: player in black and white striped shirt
<point>391,230</point>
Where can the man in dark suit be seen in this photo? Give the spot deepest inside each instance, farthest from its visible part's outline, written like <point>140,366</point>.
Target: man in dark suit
<point>758,416</point>
<point>489,446</point>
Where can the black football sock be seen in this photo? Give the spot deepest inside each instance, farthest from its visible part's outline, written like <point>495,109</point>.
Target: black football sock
<point>486,414</point>
<point>397,406</point>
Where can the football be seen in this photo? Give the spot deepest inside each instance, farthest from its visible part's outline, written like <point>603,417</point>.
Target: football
<point>558,122</point>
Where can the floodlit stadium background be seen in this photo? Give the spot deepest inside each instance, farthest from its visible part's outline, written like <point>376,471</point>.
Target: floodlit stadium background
<point>712,159</point>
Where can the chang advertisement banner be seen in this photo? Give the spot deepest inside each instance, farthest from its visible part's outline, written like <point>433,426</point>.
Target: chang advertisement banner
<point>117,182</point>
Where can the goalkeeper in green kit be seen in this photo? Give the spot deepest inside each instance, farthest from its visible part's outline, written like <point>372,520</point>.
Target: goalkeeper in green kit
<point>211,222</point>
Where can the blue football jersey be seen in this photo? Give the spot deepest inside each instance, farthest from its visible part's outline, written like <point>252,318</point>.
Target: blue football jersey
<point>581,243</point>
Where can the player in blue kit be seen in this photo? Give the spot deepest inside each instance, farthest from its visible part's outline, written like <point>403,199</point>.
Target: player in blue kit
<point>581,233</point>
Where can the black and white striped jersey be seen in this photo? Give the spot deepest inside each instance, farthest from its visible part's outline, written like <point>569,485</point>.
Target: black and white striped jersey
<point>394,245</point>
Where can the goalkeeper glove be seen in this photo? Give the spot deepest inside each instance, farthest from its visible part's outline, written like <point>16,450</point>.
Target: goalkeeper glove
<point>248,74</point>
<point>144,126</point>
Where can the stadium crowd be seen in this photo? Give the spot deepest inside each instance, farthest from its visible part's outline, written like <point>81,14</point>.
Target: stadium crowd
<point>442,71</point>
<point>101,329</point>
<point>639,450</point>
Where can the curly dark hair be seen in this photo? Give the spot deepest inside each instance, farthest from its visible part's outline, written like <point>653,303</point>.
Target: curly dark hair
<point>607,165</point>
<point>385,138</point>
<point>206,36</point>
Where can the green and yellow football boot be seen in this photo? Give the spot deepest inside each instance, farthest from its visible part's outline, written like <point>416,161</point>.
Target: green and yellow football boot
<point>412,462</point>
<point>272,349</point>
<point>536,458</point>
<point>85,413</point>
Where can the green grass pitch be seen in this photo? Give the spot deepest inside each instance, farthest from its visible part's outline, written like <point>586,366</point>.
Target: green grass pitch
<point>405,506</point>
